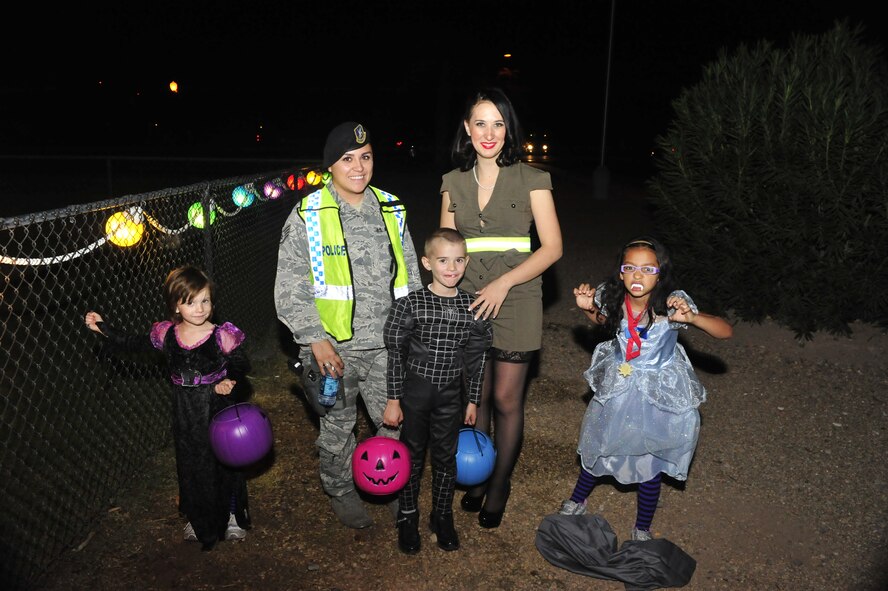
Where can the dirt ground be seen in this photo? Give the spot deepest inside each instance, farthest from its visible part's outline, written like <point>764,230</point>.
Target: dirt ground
<point>787,488</point>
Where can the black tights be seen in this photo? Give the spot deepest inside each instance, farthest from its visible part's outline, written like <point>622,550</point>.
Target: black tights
<point>502,400</point>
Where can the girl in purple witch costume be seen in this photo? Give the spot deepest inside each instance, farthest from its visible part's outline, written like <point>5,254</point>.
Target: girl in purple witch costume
<point>202,359</point>
<point>643,420</point>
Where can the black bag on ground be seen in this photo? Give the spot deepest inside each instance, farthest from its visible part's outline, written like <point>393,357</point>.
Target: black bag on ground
<point>586,545</point>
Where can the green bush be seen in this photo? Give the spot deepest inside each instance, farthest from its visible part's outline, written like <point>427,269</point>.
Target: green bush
<point>771,184</point>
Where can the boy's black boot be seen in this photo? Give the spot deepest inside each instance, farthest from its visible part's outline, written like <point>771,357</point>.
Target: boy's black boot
<point>408,532</point>
<point>442,525</point>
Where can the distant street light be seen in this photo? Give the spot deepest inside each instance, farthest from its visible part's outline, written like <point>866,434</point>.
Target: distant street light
<point>174,86</point>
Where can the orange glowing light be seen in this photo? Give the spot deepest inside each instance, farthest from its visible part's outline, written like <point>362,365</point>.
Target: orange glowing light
<point>295,183</point>
<point>174,86</point>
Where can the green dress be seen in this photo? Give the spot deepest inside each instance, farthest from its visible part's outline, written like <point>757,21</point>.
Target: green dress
<point>519,323</point>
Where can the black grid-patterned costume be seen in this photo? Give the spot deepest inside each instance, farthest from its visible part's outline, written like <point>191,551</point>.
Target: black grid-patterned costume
<point>435,348</point>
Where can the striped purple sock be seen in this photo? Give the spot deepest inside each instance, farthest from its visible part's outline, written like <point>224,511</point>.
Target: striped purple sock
<point>648,497</point>
<point>583,488</point>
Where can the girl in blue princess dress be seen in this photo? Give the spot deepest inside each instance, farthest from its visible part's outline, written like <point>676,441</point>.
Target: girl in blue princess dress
<point>643,420</point>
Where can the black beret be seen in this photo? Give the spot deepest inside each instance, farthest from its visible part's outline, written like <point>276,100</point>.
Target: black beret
<point>344,137</point>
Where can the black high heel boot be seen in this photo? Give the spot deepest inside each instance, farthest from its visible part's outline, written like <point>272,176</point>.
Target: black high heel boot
<point>492,519</point>
<point>470,503</point>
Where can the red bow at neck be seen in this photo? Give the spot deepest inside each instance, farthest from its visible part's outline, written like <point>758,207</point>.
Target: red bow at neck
<point>633,347</point>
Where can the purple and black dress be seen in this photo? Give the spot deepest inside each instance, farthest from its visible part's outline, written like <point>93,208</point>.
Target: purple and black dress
<point>208,490</point>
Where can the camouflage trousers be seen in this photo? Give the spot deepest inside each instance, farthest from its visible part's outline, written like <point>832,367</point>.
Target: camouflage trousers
<point>364,377</point>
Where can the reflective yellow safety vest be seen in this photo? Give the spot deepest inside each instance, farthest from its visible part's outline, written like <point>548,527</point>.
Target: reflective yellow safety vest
<point>328,253</point>
<point>498,244</point>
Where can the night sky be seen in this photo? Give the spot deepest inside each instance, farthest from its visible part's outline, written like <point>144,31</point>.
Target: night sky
<point>89,80</point>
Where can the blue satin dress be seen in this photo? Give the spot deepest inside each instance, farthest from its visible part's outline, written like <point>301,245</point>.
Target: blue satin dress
<point>642,420</point>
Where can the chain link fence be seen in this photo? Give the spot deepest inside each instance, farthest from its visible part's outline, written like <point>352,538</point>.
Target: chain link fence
<point>76,425</point>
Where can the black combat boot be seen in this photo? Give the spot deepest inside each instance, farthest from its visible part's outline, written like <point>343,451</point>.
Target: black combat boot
<point>408,532</point>
<point>442,525</point>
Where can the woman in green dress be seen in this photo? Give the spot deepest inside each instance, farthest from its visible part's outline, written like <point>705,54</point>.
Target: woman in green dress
<point>494,200</point>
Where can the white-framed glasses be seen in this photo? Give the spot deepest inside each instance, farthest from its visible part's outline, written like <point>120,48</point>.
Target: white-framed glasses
<point>645,270</point>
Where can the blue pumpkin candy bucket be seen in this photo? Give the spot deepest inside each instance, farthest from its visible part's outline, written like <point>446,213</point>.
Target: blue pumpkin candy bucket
<point>475,457</point>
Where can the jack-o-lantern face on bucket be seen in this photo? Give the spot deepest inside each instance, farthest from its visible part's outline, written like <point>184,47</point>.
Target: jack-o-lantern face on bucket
<point>381,465</point>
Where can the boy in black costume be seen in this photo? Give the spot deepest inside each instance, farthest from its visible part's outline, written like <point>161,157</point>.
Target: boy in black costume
<point>436,347</point>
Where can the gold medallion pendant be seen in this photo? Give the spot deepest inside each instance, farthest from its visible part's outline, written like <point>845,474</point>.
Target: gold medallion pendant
<point>625,369</point>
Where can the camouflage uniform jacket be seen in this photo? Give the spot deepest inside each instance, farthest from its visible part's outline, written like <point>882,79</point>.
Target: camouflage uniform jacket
<point>370,257</point>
